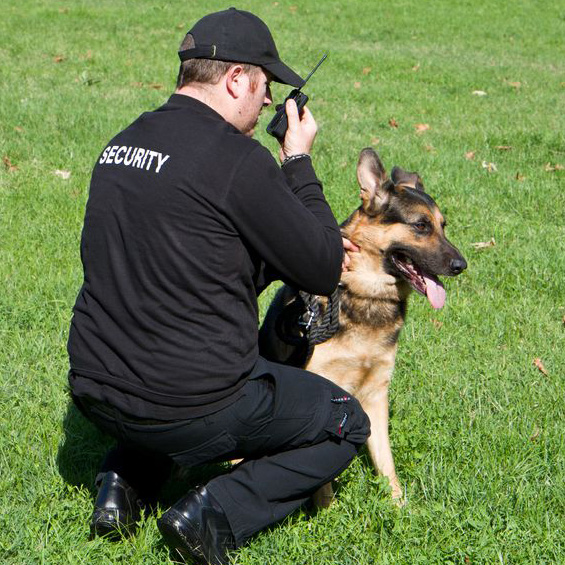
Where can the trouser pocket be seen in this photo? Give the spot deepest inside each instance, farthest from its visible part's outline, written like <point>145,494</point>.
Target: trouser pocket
<point>215,449</point>
<point>347,419</point>
<point>309,408</point>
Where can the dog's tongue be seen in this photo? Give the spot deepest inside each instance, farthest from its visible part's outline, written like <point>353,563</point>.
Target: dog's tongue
<point>435,292</point>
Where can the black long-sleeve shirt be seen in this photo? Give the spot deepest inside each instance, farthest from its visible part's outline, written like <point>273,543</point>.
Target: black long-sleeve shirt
<point>187,220</point>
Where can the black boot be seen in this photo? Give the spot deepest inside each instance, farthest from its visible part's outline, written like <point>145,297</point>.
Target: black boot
<point>197,529</point>
<point>117,507</point>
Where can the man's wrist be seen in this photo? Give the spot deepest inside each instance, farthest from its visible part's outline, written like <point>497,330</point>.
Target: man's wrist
<point>295,157</point>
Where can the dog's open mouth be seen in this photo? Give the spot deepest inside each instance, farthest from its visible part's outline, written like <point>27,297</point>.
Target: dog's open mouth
<point>426,284</point>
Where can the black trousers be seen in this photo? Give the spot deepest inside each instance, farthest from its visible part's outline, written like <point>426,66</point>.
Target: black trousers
<point>295,431</point>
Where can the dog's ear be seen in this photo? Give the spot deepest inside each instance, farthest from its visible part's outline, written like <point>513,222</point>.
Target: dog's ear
<point>371,176</point>
<point>412,180</point>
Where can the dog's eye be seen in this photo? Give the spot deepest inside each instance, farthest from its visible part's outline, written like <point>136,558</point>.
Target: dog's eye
<point>421,226</point>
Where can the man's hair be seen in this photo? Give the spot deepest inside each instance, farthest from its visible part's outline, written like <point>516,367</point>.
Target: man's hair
<point>207,71</point>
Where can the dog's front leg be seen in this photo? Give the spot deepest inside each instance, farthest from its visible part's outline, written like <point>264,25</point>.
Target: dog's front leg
<point>376,407</point>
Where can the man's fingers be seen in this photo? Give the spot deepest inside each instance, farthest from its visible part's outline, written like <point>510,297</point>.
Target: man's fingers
<point>292,113</point>
<point>307,117</point>
<point>301,131</point>
<point>349,245</point>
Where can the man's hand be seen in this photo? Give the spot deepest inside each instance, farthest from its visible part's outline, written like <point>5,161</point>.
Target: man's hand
<point>348,247</point>
<point>301,132</point>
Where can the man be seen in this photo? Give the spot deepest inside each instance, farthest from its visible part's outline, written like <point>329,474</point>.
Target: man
<point>188,219</point>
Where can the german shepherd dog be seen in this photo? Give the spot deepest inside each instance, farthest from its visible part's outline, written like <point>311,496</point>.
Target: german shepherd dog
<point>400,232</point>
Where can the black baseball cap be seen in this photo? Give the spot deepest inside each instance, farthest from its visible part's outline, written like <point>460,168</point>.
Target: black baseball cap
<point>240,37</point>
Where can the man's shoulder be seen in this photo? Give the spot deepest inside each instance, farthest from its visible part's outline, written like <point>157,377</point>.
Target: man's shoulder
<point>185,138</point>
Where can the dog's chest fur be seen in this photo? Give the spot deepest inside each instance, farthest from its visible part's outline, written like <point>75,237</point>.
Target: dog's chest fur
<point>360,356</point>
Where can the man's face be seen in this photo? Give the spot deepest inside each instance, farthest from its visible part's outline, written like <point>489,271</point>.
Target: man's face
<point>257,97</point>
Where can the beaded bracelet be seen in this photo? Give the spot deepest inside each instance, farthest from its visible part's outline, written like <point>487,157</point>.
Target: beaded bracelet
<point>294,158</point>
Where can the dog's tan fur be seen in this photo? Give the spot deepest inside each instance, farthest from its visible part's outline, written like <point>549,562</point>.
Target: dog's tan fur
<point>360,356</point>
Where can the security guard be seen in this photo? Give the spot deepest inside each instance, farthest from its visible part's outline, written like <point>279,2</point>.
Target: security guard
<point>188,219</point>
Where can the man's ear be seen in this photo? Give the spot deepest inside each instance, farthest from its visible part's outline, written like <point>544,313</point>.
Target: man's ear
<point>371,176</point>
<point>237,81</point>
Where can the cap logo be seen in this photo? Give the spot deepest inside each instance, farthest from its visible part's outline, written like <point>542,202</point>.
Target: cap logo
<point>213,51</point>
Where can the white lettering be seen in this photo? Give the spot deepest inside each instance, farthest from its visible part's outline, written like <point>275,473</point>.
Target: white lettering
<point>121,149</point>
<point>126,162</point>
<point>111,154</point>
<point>133,157</point>
<point>138,157</point>
<point>151,155</point>
<point>161,162</point>
<point>104,155</point>
<point>144,158</point>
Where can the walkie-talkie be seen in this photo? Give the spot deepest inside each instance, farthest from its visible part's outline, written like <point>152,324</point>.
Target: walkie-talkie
<point>278,125</point>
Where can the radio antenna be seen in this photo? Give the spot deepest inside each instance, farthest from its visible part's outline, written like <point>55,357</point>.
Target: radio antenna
<point>314,69</point>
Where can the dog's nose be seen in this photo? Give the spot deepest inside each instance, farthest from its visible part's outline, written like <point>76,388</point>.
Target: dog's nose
<point>457,265</point>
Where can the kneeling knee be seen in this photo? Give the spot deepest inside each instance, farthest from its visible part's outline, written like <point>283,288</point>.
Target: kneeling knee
<point>349,421</point>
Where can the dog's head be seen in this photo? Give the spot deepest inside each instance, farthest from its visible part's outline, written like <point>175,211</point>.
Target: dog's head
<point>401,227</point>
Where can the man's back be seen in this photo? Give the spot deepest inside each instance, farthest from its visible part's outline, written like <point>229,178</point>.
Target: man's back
<point>159,256</point>
<point>181,205</point>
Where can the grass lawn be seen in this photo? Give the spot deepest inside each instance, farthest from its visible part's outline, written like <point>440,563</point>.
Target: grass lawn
<point>471,95</point>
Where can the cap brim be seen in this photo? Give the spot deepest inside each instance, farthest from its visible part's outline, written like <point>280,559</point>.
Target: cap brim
<point>284,74</point>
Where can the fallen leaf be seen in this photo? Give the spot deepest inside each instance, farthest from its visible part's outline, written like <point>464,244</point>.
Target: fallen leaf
<point>393,123</point>
<point>437,323</point>
<point>503,147</point>
<point>515,84</point>
<point>357,84</point>
<point>479,93</point>
<point>58,59</point>
<point>484,244</point>
<point>87,56</point>
<point>10,167</point>
<point>467,560</point>
<point>549,168</point>
<point>490,167</point>
<point>180,26</point>
<point>416,67</point>
<point>19,129</point>
<point>366,70</point>
<point>539,365</point>
<point>275,3</point>
<point>520,177</point>
<point>470,155</point>
<point>293,9</point>
<point>65,175</point>
<point>87,80</point>
<point>430,148</point>
<point>563,320</point>
<point>156,86</point>
<point>535,433</point>
<point>421,127</point>
<point>137,84</point>
<point>375,140</point>
<point>63,10</point>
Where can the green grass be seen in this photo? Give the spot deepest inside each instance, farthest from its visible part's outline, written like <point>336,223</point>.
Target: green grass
<point>476,428</point>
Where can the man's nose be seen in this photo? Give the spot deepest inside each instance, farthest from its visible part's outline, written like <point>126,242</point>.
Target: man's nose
<point>268,97</point>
